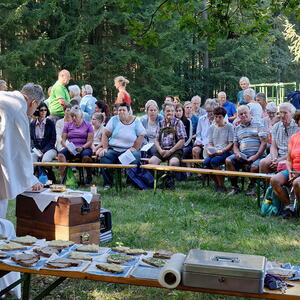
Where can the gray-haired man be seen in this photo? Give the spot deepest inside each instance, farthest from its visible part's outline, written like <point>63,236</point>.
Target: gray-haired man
<point>16,169</point>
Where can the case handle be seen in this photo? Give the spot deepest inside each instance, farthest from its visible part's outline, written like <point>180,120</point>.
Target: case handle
<point>226,259</point>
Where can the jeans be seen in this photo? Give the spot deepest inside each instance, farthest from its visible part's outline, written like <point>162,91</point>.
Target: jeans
<point>47,157</point>
<point>111,157</point>
<point>187,151</point>
<point>212,162</point>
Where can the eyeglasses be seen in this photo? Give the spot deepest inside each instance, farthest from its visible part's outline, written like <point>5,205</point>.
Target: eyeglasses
<point>43,109</point>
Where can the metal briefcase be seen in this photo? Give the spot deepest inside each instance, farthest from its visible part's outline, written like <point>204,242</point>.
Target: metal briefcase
<point>224,271</point>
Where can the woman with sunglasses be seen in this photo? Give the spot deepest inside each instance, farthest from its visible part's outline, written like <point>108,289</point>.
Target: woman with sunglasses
<point>43,135</point>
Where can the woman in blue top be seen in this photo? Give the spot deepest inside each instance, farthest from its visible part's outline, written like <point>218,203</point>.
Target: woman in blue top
<point>150,122</point>
<point>244,84</point>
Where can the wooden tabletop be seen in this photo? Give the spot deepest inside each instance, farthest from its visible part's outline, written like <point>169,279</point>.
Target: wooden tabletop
<point>86,165</point>
<point>206,171</point>
<point>291,294</point>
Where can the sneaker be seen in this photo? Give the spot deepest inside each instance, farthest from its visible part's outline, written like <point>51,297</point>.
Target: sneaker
<point>221,189</point>
<point>170,183</point>
<point>234,191</point>
<point>288,213</point>
<point>251,192</point>
<point>107,187</point>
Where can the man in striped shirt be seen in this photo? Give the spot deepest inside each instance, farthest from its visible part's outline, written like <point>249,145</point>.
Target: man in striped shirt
<point>249,147</point>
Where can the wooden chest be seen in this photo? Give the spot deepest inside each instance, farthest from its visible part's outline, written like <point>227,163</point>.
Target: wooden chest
<point>66,219</point>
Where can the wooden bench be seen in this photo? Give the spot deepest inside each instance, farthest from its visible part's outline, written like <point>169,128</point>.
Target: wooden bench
<point>185,161</point>
<point>258,176</point>
<point>117,167</point>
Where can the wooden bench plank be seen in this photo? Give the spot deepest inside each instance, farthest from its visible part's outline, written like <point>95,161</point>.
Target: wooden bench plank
<point>207,171</point>
<point>85,165</point>
<point>186,161</point>
<point>192,161</point>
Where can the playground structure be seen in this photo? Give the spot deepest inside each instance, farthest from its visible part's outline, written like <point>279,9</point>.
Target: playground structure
<point>276,92</point>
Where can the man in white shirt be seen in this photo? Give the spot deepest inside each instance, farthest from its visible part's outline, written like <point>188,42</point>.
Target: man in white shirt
<point>16,169</point>
<point>255,108</point>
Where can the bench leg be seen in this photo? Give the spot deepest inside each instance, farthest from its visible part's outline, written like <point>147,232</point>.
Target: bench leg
<point>155,181</point>
<point>51,287</point>
<point>258,191</point>
<point>26,286</point>
<point>118,179</point>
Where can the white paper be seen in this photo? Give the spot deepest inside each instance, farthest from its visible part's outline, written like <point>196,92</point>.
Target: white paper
<point>147,147</point>
<point>71,147</point>
<point>212,150</point>
<point>37,152</point>
<point>174,268</point>
<point>126,158</point>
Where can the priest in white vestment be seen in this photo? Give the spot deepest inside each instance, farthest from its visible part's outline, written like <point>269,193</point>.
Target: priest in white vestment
<point>16,169</point>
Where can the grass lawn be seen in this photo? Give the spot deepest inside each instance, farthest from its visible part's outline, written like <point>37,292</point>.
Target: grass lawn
<point>190,217</point>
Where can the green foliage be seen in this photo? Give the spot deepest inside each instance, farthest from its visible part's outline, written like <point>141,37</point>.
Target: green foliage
<point>160,46</point>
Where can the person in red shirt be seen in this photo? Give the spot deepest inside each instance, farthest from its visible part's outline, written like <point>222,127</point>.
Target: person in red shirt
<point>120,85</point>
<point>289,176</point>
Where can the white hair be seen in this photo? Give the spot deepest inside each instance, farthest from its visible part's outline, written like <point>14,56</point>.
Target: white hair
<point>87,88</point>
<point>74,89</point>
<point>150,103</point>
<point>246,79</point>
<point>222,94</point>
<point>196,98</point>
<point>289,106</point>
<point>33,92</point>
<point>249,92</point>
<point>271,106</point>
<point>242,107</point>
<point>76,110</point>
<point>211,103</point>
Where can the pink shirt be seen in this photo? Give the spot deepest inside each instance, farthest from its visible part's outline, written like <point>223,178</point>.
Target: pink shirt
<point>294,147</point>
<point>78,135</point>
<point>40,129</point>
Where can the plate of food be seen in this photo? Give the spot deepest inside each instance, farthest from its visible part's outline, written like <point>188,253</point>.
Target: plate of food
<point>25,240</point>
<point>11,246</point>
<point>60,244</point>
<point>58,188</point>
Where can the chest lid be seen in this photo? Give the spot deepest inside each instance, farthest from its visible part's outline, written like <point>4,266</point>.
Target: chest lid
<point>222,263</point>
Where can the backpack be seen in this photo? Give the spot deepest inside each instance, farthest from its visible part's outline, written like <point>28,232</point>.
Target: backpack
<point>294,98</point>
<point>271,205</point>
<point>165,131</point>
<point>140,178</point>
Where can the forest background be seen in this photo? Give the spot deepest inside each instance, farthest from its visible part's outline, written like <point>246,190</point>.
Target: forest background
<point>165,47</point>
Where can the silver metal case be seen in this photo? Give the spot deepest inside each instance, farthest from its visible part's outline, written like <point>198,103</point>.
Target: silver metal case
<point>224,271</point>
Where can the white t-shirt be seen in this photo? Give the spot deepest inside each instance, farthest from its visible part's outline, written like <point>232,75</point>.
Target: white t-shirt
<point>256,110</point>
<point>123,135</point>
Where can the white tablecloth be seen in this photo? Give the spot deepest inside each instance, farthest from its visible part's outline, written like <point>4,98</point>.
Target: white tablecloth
<point>44,198</point>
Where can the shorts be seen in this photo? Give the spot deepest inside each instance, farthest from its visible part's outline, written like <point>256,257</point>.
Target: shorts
<point>285,173</point>
<point>178,154</point>
<point>238,164</point>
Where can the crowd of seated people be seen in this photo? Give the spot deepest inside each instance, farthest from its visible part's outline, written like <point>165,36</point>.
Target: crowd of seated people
<point>254,135</point>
